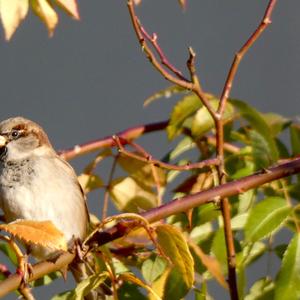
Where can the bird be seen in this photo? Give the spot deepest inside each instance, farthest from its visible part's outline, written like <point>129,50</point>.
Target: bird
<point>36,184</point>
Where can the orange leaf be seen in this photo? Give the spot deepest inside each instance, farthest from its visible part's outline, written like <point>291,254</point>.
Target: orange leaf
<point>210,263</point>
<point>70,6</point>
<point>46,13</point>
<point>12,14</point>
<point>42,233</point>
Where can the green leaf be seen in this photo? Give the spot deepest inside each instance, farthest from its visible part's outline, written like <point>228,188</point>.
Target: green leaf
<point>203,122</point>
<point>165,93</point>
<point>276,122</point>
<point>287,285</point>
<point>184,145</point>
<point>141,171</point>
<point>174,246</point>
<point>67,295</point>
<point>6,249</point>
<point>129,291</point>
<point>187,106</point>
<point>295,139</point>
<point>258,123</point>
<point>47,279</point>
<point>129,196</point>
<point>265,218</point>
<point>175,287</point>
<point>263,289</point>
<point>153,268</point>
<point>262,153</point>
<point>87,285</point>
<point>245,201</point>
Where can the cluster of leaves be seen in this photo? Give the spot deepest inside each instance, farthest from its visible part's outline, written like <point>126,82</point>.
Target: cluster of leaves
<point>13,12</point>
<point>189,249</point>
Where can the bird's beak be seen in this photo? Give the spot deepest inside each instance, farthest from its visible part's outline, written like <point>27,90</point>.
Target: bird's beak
<point>3,141</point>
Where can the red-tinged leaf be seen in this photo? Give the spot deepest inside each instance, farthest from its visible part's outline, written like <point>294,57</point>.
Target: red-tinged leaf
<point>211,263</point>
<point>70,6</point>
<point>12,14</point>
<point>44,10</point>
<point>42,233</point>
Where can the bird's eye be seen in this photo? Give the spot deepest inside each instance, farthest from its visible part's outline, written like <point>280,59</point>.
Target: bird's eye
<point>15,134</point>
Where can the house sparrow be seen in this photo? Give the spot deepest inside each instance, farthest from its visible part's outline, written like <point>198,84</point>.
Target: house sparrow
<point>36,184</point>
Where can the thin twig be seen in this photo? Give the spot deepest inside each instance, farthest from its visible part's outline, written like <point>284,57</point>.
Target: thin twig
<point>164,60</point>
<point>266,21</point>
<point>106,194</point>
<point>158,163</point>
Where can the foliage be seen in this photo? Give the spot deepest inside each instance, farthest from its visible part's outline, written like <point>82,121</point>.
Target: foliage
<point>184,252</point>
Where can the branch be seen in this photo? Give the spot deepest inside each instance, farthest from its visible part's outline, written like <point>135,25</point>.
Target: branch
<point>173,207</point>
<point>128,134</point>
<point>266,21</point>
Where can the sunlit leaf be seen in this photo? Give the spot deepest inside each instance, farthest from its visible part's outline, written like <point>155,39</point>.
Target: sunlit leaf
<point>42,233</point>
<point>46,13</point>
<point>87,285</point>
<point>142,172</point>
<point>153,267</point>
<point>266,217</point>
<point>132,278</point>
<point>159,284</point>
<point>174,246</point>
<point>129,196</point>
<point>258,123</point>
<point>12,13</point>
<point>90,182</point>
<point>165,93</point>
<point>181,111</point>
<point>203,121</point>
<point>70,6</point>
<point>277,123</point>
<point>66,295</point>
<point>263,289</point>
<point>287,285</point>
<point>184,145</point>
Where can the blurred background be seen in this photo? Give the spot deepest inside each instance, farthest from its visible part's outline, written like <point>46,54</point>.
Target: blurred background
<point>91,78</point>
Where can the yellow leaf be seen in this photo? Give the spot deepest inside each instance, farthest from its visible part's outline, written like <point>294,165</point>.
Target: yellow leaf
<point>159,284</point>
<point>141,171</point>
<point>90,182</point>
<point>46,13</point>
<point>12,14</point>
<point>42,233</point>
<point>129,196</point>
<point>174,246</point>
<point>70,6</point>
<point>133,279</point>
